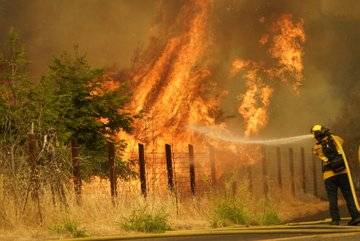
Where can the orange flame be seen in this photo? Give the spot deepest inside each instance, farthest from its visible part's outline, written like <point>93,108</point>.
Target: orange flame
<point>287,49</point>
<point>167,90</point>
<point>285,40</point>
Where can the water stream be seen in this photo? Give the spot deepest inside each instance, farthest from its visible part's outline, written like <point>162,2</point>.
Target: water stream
<point>228,137</point>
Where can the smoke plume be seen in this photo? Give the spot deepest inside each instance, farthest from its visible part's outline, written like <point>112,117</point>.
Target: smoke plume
<point>112,31</point>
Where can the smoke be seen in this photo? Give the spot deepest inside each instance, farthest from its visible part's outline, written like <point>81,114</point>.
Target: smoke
<point>111,31</point>
<point>331,56</point>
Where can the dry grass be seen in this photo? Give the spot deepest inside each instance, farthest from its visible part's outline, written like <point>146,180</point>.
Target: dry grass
<point>97,216</point>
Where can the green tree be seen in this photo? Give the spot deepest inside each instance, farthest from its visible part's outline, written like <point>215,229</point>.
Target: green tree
<point>85,113</point>
<point>16,99</point>
<point>17,112</point>
<point>17,94</point>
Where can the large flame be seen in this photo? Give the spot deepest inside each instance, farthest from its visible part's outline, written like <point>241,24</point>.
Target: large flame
<point>167,90</point>
<point>287,49</point>
<point>284,42</point>
<point>168,79</point>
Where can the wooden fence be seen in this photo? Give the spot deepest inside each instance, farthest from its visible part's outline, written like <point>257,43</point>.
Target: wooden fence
<point>294,170</point>
<point>287,169</point>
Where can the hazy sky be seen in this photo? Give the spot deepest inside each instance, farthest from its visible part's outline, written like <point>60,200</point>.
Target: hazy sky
<point>110,30</point>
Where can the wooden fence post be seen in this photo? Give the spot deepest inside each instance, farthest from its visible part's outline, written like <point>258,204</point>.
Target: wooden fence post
<point>212,165</point>
<point>142,169</point>
<point>303,159</point>
<point>234,188</point>
<point>112,173</point>
<point>76,169</point>
<point>279,167</point>
<point>292,172</point>
<point>34,184</point>
<point>315,177</point>
<point>169,167</point>
<point>249,174</point>
<point>192,169</point>
<point>264,171</point>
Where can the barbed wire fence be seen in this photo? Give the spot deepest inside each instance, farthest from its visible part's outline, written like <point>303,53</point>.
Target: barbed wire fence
<point>186,174</point>
<point>199,171</point>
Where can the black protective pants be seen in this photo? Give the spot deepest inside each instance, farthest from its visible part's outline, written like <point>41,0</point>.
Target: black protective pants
<point>331,185</point>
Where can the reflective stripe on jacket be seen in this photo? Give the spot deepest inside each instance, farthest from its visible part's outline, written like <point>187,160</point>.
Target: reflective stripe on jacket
<point>319,153</point>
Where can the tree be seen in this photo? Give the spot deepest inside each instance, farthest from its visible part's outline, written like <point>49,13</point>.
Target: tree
<point>85,112</point>
<point>16,113</point>
<point>17,94</point>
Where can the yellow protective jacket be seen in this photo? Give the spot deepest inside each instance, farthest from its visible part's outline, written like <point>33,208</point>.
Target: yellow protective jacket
<point>319,153</point>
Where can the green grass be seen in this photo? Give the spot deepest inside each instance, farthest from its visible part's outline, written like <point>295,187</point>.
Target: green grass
<point>270,217</point>
<point>69,227</point>
<point>228,212</point>
<point>236,211</point>
<point>145,221</point>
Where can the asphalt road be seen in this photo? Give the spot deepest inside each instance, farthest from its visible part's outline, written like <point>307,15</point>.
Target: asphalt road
<point>227,237</point>
<point>258,237</point>
<point>323,237</point>
<point>302,229</point>
<point>311,232</point>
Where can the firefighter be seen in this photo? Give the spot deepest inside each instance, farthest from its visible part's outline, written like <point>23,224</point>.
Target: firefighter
<point>335,174</point>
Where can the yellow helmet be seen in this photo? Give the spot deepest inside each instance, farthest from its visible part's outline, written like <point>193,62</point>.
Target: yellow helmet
<point>319,131</point>
<point>315,128</point>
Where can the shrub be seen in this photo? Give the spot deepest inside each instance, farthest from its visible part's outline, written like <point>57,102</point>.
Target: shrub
<point>69,227</point>
<point>270,217</point>
<point>144,221</point>
<point>229,211</point>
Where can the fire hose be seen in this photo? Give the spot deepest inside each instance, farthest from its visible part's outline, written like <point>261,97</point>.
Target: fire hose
<point>352,187</point>
<point>225,136</point>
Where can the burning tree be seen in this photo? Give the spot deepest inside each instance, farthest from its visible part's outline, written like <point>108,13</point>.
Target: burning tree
<point>174,85</point>
<point>169,81</point>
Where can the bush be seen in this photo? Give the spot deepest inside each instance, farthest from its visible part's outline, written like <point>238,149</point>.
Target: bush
<point>69,227</point>
<point>144,221</point>
<point>270,217</point>
<point>229,211</point>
